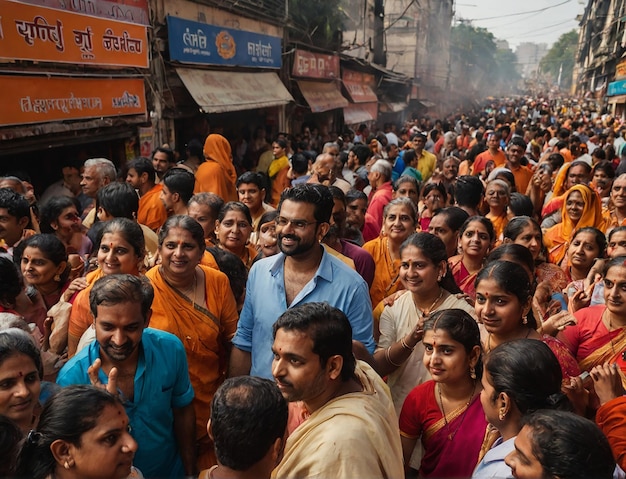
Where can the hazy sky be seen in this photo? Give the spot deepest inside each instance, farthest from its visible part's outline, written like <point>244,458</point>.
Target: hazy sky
<point>519,22</point>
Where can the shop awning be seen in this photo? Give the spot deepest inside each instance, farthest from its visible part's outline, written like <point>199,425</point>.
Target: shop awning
<point>221,91</point>
<point>393,107</point>
<point>617,99</point>
<point>356,113</point>
<point>427,103</point>
<point>360,92</point>
<point>322,96</point>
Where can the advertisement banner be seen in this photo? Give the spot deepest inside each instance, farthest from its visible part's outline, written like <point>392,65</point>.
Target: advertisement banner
<point>146,136</point>
<point>40,99</point>
<point>29,32</point>
<point>315,65</point>
<point>195,42</point>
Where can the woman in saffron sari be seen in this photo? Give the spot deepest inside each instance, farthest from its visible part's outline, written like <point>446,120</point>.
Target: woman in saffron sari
<point>399,222</point>
<point>196,304</point>
<point>217,174</point>
<point>600,333</point>
<point>498,196</point>
<point>475,240</point>
<point>121,251</point>
<point>445,413</point>
<point>581,208</point>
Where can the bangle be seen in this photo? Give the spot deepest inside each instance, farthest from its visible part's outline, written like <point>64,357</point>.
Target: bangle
<point>405,345</point>
<point>388,356</point>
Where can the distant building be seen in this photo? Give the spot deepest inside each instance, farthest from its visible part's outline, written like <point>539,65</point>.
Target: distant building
<point>529,56</point>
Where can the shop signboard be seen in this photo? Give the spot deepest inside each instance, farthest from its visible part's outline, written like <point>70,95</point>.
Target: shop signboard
<point>617,88</point>
<point>27,100</point>
<point>315,65</point>
<point>29,32</point>
<point>620,70</point>
<point>359,86</point>
<point>201,43</point>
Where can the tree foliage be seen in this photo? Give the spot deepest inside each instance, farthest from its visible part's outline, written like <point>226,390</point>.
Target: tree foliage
<point>316,23</point>
<point>479,63</point>
<point>563,52</point>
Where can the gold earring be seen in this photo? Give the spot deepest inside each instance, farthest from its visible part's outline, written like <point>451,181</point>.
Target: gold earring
<point>473,372</point>
<point>66,465</point>
<point>525,320</point>
<point>501,415</point>
<point>57,278</point>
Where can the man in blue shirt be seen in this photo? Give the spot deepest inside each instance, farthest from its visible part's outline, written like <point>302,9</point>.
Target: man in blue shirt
<point>302,273</point>
<point>147,368</point>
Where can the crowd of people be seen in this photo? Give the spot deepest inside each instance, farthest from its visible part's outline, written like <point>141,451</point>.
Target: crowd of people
<point>441,299</point>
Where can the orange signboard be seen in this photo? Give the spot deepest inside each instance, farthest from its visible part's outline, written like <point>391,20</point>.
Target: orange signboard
<point>620,70</point>
<point>39,100</point>
<point>29,32</point>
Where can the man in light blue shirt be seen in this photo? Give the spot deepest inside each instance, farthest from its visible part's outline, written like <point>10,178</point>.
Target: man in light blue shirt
<point>147,368</point>
<point>302,273</point>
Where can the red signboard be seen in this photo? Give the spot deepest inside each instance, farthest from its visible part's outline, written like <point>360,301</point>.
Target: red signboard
<point>359,86</point>
<point>315,65</point>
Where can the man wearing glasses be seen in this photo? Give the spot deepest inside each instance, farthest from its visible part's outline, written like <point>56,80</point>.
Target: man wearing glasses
<point>303,272</point>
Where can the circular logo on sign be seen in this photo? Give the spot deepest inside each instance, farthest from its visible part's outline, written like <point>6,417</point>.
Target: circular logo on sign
<point>225,44</point>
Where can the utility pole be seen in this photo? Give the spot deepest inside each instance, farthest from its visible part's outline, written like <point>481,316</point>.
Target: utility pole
<point>379,33</point>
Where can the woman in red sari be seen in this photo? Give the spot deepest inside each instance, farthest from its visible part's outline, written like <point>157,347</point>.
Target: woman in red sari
<point>600,333</point>
<point>445,413</point>
<point>476,238</point>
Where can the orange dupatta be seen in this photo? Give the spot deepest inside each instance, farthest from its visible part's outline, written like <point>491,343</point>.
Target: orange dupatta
<point>606,353</point>
<point>557,238</point>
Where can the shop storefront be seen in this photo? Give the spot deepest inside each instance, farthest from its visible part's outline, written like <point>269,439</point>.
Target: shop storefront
<point>315,82</point>
<point>616,92</point>
<point>74,92</point>
<point>363,107</point>
<point>223,80</point>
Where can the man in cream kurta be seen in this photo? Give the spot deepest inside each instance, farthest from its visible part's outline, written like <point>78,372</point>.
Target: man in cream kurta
<point>348,424</point>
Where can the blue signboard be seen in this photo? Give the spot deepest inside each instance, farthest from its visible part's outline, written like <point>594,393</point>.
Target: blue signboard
<point>195,42</point>
<point>617,88</point>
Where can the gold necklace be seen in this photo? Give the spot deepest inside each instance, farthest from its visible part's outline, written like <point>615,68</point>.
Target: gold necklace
<point>451,435</point>
<point>610,327</point>
<point>489,339</point>
<point>426,312</point>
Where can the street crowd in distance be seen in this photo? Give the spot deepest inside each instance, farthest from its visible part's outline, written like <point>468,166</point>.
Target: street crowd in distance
<point>443,298</point>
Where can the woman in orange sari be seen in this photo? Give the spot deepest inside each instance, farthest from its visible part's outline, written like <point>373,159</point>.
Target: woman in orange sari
<point>196,304</point>
<point>599,336</point>
<point>498,196</point>
<point>399,222</point>
<point>121,251</point>
<point>570,174</point>
<point>580,209</point>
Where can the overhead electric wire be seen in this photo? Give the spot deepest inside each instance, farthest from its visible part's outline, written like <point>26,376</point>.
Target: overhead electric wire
<point>518,13</point>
